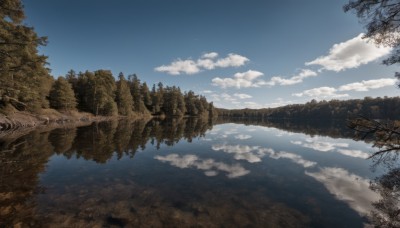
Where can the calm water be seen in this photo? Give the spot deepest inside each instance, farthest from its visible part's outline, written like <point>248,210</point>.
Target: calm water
<point>186,173</point>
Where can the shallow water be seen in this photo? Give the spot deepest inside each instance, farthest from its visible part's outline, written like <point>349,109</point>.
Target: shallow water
<point>185,173</point>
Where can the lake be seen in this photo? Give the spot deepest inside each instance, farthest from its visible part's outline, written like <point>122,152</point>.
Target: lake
<point>187,173</point>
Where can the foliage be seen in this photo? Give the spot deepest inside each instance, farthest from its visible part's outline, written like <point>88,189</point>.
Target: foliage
<point>375,108</point>
<point>23,75</point>
<point>26,84</point>
<point>61,96</point>
<point>123,97</point>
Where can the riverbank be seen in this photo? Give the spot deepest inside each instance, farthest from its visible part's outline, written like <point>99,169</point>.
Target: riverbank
<point>20,122</point>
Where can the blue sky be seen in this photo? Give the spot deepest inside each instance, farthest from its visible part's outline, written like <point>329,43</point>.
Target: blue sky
<point>238,53</point>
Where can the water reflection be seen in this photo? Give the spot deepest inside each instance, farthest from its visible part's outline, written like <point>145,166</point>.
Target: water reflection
<point>209,166</point>
<point>186,172</point>
<point>347,187</point>
<point>386,211</point>
<point>23,158</point>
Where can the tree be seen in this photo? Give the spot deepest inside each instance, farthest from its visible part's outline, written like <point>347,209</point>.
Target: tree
<point>155,100</point>
<point>104,93</point>
<point>382,21</point>
<point>23,75</point>
<point>145,92</point>
<point>181,102</point>
<point>62,97</point>
<point>123,96</point>
<point>190,101</point>
<point>134,84</point>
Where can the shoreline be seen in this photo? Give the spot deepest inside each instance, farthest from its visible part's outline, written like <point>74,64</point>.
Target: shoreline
<point>20,123</point>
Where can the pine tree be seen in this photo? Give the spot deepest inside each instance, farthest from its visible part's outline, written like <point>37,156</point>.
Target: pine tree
<point>190,101</point>
<point>104,93</point>
<point>145,92</point>
<point>62,97</point>
<point>123,97</point>
<point>134,83</point>
<point>24,79</point>
<point>170,104</point>
<point>181,103</point>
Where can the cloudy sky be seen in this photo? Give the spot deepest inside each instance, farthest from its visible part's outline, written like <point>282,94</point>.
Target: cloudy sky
<point>254,53</point>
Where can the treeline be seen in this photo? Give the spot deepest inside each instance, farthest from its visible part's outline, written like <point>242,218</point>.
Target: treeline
<point>374,108</point>
<point>99,93</point>
<point>313,127</point>
<point>26,83</point>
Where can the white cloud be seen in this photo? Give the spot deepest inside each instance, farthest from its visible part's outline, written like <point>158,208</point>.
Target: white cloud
<point>241,152</point>
<point>354,153</point>
<point>305,73</point>
<point>210,55</point>
<point>325,146</point>
<point>350,54</point>
<point>296,142</point>
<point>207,61</point>
<point>233,60</point>
<point>278,103</point>
<point>227,97</point>
<point>252,104</point>
<point>248,79</point>
<point>179,66</point>
<point>243,137</point>
<point>242,95</point>
<point>239,80</point>
<point>319,145</point>
<point>321,92</point>
<point>330,92</point>
<point>209,166</point>
<point>207,91</point>
<point>254,154</point>
<point>294,158</point>
<point>352,189</point>
<point>367,85</point>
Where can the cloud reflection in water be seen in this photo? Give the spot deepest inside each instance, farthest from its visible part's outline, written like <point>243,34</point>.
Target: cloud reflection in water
<point>209,166</point>
<point>254,154</point>
<point>348,187</point>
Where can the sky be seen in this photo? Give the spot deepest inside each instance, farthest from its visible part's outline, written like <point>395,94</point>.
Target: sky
<point>237,53</point>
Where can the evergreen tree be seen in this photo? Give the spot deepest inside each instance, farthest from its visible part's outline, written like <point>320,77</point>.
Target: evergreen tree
<point>170,104</point>
<point>24,79</point>
<point>138,105</point>
<point>123,97</point>
<point>181,103</point>
<point>62,97</point>
<point>72,78</point>
<point>82,90</point>
<point>155,100</point>
<point>145,92</point>
<point>190,101</point>
<point>104,93</point>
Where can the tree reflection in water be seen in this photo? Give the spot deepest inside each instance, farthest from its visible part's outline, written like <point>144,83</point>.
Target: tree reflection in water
<point>384,136</point>
<point>22,159</point>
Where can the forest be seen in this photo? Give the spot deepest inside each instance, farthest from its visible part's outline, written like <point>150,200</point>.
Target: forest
<point>27,85</point>
<point>387,108</point>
